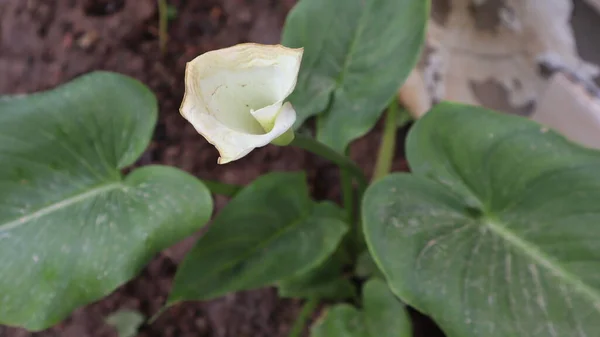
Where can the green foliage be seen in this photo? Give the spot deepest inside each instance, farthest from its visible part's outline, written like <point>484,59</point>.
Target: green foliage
<point>357,53</point>
<point>325,282</point>
<point>72,227</point>
<point>495,233</point>
<point>403,117</point>
<point>366,267</point>
<point>382,316</point>
<point>269,232</point>
<point>171,12</point>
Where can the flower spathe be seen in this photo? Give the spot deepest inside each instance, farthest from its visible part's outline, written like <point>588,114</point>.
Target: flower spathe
<point>235,97</point>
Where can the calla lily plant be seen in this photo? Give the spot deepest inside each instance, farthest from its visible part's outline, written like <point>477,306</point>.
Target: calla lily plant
<point>494,232</point>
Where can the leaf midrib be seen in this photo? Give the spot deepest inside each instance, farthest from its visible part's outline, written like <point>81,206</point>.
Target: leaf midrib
<point>356,35</point>
<point>59,205</point>
<point>338,81</point>
<point>530,250</point>
<point>542,259</point>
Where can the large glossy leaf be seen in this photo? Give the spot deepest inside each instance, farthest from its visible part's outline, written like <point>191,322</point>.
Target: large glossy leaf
<point>357,53</point>
<point>496,233</point>
<point>270,231</point>
<point>72,229</point>
<point>382,316</point>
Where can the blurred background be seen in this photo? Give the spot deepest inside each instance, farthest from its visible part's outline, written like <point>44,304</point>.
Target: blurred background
<point>509,55</point>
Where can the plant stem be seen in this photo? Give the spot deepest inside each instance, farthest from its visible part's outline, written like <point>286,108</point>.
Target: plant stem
<point>322,150</point>
<point>348,170</point>
<point>154,317</point>
<point>387,148</point>
<point>163,21</point>
<point>309,306</point>
<point>217,187</point>
<point>348,197</point>
<point>347,194</point>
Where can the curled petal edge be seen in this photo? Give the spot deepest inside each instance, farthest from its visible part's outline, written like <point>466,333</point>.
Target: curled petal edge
<point>231,144</point>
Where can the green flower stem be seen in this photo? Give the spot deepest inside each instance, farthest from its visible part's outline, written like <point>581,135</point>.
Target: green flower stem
<point>217,187</point>
<point>348,171</point>
<point>348,197</point>
<point>163,20</point>
<point>311,145</point>
<point>347,194</point>
<point>308,308</point>
<point>387,148</point>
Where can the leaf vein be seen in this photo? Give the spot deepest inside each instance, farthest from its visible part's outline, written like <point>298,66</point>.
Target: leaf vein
<point>59,205</point>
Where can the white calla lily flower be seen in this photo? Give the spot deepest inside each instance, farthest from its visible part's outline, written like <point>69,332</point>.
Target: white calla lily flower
<point>234,97</point>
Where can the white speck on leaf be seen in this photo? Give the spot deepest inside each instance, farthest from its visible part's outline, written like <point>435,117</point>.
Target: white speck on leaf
<point>100,219</point>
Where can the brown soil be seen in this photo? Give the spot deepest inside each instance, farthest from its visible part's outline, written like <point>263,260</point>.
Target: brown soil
<point>44,43</point>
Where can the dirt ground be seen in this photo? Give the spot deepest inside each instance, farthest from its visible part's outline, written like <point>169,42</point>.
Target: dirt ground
<point>44,43</point>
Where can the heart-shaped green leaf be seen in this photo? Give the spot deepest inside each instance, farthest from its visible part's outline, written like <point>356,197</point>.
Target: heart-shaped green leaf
<point>357,53</point>
<point>270,231</point>
<point>382,316</point>
<point>72,229</point>
<point>496,233</point>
